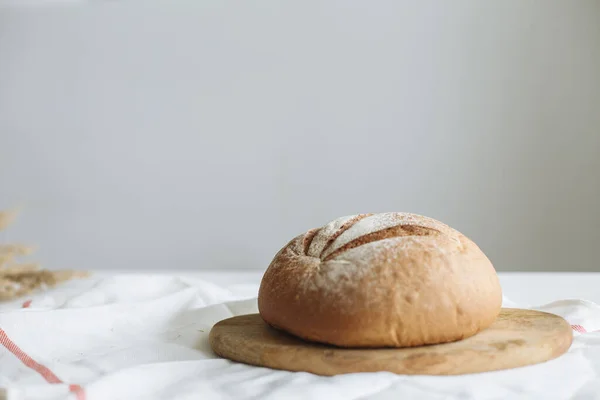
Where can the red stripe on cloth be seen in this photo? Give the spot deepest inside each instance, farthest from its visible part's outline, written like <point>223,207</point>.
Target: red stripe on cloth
<point>28,361</point>
<point>26,304</point>
<point>44,371</point>
<point>579,328</point>
<point>78,391</point>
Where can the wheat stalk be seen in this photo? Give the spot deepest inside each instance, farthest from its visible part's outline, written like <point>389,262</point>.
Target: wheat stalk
<point>19,279</point>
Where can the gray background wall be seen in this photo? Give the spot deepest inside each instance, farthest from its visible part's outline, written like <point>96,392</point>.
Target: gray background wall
<point>205,135</point>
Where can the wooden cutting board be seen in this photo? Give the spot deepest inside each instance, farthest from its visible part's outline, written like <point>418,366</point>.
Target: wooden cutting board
<point>517,338</point>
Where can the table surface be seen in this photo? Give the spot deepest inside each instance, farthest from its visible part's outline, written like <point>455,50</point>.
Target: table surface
<point>144,334</point>
<point>525,288</point>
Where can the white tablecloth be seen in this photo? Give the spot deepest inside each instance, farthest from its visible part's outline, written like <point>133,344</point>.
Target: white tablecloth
<point>133,336</point>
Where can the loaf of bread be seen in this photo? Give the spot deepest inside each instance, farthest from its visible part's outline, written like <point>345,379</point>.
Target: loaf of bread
<point>380,280</point>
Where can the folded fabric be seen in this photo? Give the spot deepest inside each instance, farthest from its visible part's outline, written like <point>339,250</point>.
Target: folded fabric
<point>146,337</point>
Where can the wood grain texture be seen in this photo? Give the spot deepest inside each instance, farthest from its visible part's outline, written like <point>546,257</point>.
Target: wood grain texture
<point>517,338</point>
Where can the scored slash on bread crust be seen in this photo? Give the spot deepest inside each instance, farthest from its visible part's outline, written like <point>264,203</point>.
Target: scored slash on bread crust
<point>388,233</point>
<point>342,229</point>
<point>319,240</point>
<point>308,238</point>
<point>379,280</point>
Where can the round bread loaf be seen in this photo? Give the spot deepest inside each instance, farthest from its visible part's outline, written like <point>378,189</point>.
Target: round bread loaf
<point>380,280</point>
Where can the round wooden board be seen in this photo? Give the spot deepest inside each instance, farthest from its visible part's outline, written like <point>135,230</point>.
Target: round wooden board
<point>517,338</point>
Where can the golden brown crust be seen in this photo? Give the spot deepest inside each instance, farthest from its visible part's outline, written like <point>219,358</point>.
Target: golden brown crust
<point>391,279</point>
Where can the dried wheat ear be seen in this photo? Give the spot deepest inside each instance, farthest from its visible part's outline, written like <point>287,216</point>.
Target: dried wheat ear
<point>18,279</point>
